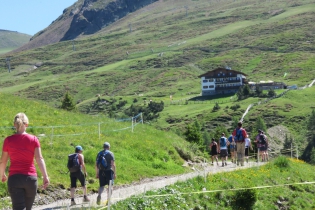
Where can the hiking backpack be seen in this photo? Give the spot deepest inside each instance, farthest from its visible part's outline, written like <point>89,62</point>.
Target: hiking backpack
<point>101,160</point>
<point>73,162</point>
<point>222,142</point>
<point>239,135</point>
<point>262,139</point>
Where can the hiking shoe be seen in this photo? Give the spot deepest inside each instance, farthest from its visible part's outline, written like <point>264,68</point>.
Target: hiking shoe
<point>72,203</point>
<point>222,164</point>
<point>86,199</point>
<point>225,163</point>
<point>98,200</point>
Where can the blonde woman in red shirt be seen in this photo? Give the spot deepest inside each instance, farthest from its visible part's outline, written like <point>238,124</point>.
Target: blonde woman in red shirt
<point>21,148</point>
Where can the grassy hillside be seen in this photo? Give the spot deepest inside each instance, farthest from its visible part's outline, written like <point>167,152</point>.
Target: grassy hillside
<point>168,47</point>
<point>262,39</point>
<point>10,40</point>
<point>146,152</point>
<point>281,184</point>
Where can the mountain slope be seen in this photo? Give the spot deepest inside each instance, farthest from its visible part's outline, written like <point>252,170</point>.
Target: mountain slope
<point>10,40</point>
<point>85,17</point>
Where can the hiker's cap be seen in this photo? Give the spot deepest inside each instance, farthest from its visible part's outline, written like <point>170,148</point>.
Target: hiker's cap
<point>223,134</point>
<point>106,144</point>
<point>79,148</point>
<point>259,130</point>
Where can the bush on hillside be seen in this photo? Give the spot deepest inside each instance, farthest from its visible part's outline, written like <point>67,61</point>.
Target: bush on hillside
<point>216,107</point>
<point>235,107</point>
<point>193,134</point>
<point>244,199</point>
<point>282,162</point>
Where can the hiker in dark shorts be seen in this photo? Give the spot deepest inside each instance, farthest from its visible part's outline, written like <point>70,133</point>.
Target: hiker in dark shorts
<point>214,150</point>
<point>262,147</point>
<point>105,175</point>
<point>79,175</point>
<point>223,143</point>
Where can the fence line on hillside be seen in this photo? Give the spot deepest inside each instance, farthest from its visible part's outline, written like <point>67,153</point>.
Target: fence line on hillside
<point>187,102</point>
<point>88,126</point>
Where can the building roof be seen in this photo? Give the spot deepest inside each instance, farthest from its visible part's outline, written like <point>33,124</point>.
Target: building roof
<point>215,71</point>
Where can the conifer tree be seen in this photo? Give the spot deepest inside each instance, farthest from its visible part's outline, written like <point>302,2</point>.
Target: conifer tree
<point>67,103</point>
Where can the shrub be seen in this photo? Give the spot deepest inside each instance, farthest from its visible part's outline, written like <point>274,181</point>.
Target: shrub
<point>244,199</point>
<point>216,107</point>
<point>282,162</point>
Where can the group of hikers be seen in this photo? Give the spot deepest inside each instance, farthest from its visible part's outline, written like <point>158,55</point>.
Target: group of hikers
<point>239,145</point>
<point>21,148</point>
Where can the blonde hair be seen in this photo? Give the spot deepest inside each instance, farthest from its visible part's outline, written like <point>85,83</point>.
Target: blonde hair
<point>20,120</point>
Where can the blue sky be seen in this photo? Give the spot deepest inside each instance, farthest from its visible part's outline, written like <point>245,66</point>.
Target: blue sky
<point>30,16</point>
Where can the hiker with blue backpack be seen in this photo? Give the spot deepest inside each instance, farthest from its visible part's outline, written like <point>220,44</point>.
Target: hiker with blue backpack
<point>105,171</point>
<point>77,171</point>
<point>223,143</point>
<point>239,135</point>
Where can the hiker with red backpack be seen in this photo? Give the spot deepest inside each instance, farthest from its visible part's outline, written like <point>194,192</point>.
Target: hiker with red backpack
<point>239,135</point>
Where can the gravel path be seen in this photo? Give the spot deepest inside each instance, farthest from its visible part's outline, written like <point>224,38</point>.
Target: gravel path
<point>121,193</point>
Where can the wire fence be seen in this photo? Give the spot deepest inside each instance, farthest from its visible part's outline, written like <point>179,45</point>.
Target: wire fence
<point>95,128</point>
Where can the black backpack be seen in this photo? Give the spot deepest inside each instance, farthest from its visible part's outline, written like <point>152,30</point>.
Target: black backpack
<point>262,139</point>
<point>73,163</point>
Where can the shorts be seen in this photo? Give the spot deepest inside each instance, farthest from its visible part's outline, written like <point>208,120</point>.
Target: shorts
<point>262,148</point>
<point>223,153</point>
<point>105,176</point>
<point>246,151</point>
<point>214,153</point>
<point>22,189</point>
<point>77,176</point>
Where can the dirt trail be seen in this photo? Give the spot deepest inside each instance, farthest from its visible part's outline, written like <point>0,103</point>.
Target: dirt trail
<point>121,193</point>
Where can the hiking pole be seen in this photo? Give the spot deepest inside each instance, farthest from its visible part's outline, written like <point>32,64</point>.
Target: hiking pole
<point>109,194</point>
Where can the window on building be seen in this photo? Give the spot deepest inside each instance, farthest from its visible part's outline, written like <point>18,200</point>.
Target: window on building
<point>205,87</point>
<point>211,80</point>
<point>205,80</point>
<point>211,86</point>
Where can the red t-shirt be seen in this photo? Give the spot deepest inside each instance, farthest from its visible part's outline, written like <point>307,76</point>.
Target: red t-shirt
<point>21,150</point>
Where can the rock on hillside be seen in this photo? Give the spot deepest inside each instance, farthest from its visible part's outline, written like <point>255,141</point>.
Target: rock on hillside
<point>85,17</point>
<point>277,135</point>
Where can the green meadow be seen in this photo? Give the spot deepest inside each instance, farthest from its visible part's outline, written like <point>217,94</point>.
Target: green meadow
<point>164,55</point>
<point>145,152</point>
<point>280,184</point>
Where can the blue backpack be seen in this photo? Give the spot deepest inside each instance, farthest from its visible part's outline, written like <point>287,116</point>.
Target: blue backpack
<point>239,135</point>
<point>101,160</point>
<point>222,142</point>
<point>73,163</point>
